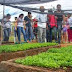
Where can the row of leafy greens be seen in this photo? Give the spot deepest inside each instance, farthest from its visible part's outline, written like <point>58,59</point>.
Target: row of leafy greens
<point>22,47</point>
<point>53,58</point>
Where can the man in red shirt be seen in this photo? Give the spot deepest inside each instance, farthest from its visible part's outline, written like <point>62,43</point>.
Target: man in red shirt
<point>52,25</point>
<point>35,25</point>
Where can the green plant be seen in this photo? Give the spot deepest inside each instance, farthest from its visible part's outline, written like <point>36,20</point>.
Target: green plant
<point>22,47</point>
<point>53,58</point>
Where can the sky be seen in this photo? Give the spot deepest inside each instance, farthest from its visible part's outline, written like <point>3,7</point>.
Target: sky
<point>66,4</point>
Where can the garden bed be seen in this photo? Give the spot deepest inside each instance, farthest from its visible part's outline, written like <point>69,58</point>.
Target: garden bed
<point>8,66</point>
<point>54,60</point>
<point>7,53</point>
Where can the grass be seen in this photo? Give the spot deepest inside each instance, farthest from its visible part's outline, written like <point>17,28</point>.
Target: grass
<point>53,58</point>
<point>22,47</point>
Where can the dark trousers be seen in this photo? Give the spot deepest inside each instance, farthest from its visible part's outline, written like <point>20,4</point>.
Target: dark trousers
<point>59,28</point>
<point>55,34</point>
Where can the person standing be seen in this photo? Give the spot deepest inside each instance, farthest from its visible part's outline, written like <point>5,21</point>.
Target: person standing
<point>59,18</point>
<point>6,27</point>
<point>69,28</point>
<point>20,28</point>
<point>35,27</point>
<point>15,30</point>
<point>52,26</point>
<point>42,19</point>
<point>64,31</point>
<point>29,31</point>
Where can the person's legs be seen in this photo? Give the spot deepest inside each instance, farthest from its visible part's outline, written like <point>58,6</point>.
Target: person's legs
<point>35,32</point>
<point>59,31</point>
<point>68,35</point>
<point>14,35</point>
<point>24,34</point>
<point>44,35</point>
<point>27,33</point>
<point>6,35</point>
<point>65,35</point>
<point>50,35</point>
<point>31,33</point>
<point>55,33</point>
<point>47,38</point>
<point>40,31</point>
<point>19,32</point>
<point>8,30</point>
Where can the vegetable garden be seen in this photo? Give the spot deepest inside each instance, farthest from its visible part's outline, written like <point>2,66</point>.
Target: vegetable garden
<point>36,57</point>
<point>53,58</point>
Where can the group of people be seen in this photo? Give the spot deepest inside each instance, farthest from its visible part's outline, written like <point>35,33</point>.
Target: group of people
<point>40,27</point>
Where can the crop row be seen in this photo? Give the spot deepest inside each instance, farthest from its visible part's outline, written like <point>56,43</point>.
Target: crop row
<point>22,47</point>
<point>53,58</point>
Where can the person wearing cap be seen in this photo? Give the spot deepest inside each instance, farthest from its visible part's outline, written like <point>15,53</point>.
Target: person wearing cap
<point>29,31</point>
<point>42,19</point>
<point>6,27</point>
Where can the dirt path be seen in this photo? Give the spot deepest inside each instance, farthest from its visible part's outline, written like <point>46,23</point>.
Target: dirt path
<point>66,44</point>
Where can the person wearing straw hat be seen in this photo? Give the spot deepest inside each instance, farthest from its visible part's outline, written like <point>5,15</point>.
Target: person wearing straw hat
<point>42,19</point>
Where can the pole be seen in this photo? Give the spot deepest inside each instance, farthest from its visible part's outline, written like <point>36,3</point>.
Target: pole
<point>3,23</point>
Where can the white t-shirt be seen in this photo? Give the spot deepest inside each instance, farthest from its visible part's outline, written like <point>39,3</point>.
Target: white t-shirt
<point>42,19</point>
<point>20,22</point>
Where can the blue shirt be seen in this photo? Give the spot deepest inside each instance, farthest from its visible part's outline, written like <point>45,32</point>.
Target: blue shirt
<point>29,21</point>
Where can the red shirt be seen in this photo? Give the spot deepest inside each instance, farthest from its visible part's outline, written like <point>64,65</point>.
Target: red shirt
<point>52,21</point>
<point>35,23</point>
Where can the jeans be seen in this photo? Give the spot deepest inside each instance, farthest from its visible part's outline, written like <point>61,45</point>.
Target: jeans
<point>21,29</point>
<point>59,28</point>
<point>41,34</point>
<point>6,34</point>
<point>15,34</point>
<point>55,33</point>
<point>47,35</point>
<point>29,33</point>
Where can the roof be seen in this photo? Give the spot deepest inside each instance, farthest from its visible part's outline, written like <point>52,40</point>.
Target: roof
<point>24,1</point>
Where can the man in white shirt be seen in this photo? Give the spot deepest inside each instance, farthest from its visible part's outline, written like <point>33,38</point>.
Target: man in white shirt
<point>42,19</point>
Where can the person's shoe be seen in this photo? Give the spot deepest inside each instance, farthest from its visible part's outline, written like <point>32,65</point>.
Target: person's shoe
<point>19,42</point>
<point>16,43</point>
<point>25,42</point>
